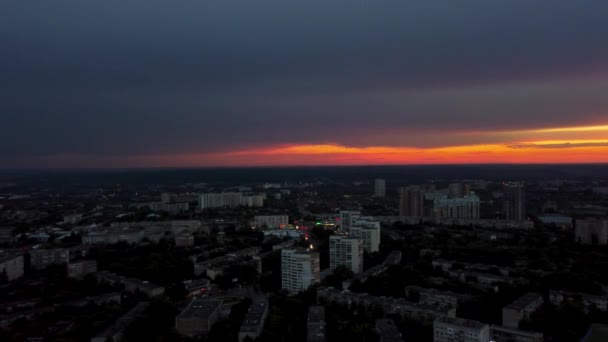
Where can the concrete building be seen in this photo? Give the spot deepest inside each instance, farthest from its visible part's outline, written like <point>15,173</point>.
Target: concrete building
<point>300,269</point>
<point>504,334</point>
<point>591,231</point>
<point>400,306</point>
<point>254,320</point>
<point>316,331</point>
<point>79,269</point>
<point>347,218</point>
<point>411,201</point>
<point>12,266</point>
<point>436,297</point>
<point>184,239</point>
<point>256,201</point>
<point>346,251</point>
<point>43,258</point>
<point>514,204</point>
<point>115,331</point>
<point>457,208</point>
<point>452,329</point>
<point>387,331</point>
<point>130,284</point>
<point>367,231</point>
<point>521,309</point>
<point>72,219</point>
<point>270,221</point>
<point>198,318</point>
<point>458,190</point>
<point>380,187</point>
<point>220,200</point>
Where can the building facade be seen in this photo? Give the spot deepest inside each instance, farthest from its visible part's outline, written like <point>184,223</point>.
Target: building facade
<point>347,252</point>
<point>300,269</point>
<point>380,188</point>
<point>411,201</point>
<point>514,205</point>
<point>452,329</point>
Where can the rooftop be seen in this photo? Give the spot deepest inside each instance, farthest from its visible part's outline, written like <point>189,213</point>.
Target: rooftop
<point>200,309</point>
<point>523,301</point>
<point>461,322</point>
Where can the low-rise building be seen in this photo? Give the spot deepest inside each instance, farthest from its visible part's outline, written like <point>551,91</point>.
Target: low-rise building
<point>80,268</point>
<point>43,258</point>
<point>270,221</point>
<point>436,297</point>
<point>198,318</point>
<point>504,334</point>
<point>452,329</point>
<point>315,327</point>
<point>115,331</point>
<point>11,266</point>
<point>521,309</point>
<point>387,331</point>
<point>130,284</point>
<point>254,320</point>
<point>418,311</point>
<point>184,239</point>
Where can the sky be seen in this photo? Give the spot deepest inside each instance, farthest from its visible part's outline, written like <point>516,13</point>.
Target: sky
<point>151,83</point>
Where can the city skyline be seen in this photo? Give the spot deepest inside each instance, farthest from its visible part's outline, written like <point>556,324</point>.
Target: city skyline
<point>269,83</point>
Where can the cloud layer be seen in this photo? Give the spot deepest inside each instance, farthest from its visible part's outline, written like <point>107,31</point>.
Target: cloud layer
<point>115,82</point>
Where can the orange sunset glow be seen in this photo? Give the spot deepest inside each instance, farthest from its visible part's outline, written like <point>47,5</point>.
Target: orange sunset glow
<point>579,144</point>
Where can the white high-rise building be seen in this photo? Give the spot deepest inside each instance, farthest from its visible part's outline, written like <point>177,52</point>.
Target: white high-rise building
<point>379,187</point>
<point>300,268</point>
<point>452,329</point>
<point>347,218</point>
<point>346,251</point>
<point>368,231</point>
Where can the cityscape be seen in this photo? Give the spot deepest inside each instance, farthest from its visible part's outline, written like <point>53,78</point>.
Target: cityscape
<point>317,254</point>
<point>303,171</point>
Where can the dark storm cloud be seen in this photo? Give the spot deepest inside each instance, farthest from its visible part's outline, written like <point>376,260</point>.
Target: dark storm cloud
<point>150,77</point>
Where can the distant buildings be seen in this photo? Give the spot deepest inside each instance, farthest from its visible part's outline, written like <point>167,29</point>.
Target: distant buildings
<point>347,218</point>
<point>457,208</point>
<point>72,219</point>
<point>43,258</point>
<point>316,331</point>
<point>387,331</point>
<point>452,329</point>
<point>254,320</point>
<point>11,266</point>
<point>220,200</point>
<point>591,231</point>
<point>514,201</point>
<point>230,200</point>
<point>270,221</point>
<point>411,201</point>
<point>380,188</point>
<point>198,318</point>
<point>347,252</point>
<point>458,190</point>
<point>521,309</point>
<point>300,269</point>
<point>79,269</point>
